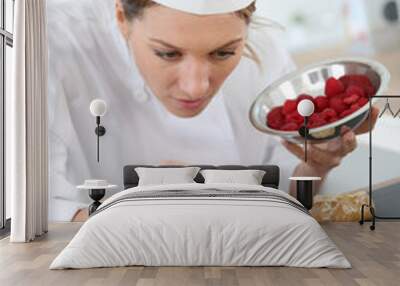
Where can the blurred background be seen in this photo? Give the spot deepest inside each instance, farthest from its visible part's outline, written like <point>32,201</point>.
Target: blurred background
<point>318,30</point>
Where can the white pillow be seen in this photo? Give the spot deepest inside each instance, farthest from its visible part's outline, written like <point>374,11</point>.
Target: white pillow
<point>162,176</point>
<point>248,177</point>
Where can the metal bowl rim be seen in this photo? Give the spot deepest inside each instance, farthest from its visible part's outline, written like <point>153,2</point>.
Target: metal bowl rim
<point>375,65</point>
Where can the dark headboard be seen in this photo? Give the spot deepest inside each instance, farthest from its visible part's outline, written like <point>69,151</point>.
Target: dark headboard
<point>270,179</point>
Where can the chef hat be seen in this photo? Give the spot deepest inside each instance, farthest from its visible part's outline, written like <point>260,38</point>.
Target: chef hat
<point>206,7</point>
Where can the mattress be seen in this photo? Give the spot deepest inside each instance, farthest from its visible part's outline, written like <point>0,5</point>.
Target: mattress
<point>201,225</point>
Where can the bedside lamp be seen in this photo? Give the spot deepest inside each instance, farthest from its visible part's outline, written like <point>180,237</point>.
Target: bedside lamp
<point>98,108</point>
<point>305,108</point>
<point>305,184</point>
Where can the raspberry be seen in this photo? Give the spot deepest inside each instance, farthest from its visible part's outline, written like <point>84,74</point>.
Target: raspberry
<point>315,116</point>
<point>355,106</point>
<point>316,121</point>
<point>333,87</point>
<point>343,97</point>
<point>328,113</point>
<point>370,91</point>
<point>337,104</point>
<point>291,126</point>
<point>345,113</point>
<point>362,101</point>
<point>353,89</point>
<point>361,81</point>
<point>275,118</point>
<point>351,99</point>
<point>289,106</point>
<point>275,124</point>
<point>345,80</point>
<point>294,117</point>
<point>304,96</point>
<point>333,119</point>
<point>321,103</point>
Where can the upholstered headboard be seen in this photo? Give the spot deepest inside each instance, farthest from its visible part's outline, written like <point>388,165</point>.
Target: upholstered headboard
<point>270,179</point>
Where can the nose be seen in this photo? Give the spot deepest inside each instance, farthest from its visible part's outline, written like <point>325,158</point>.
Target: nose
<point>194,80</point>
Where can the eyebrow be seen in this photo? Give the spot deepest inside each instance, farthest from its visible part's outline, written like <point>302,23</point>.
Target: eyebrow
<point>177,48</point>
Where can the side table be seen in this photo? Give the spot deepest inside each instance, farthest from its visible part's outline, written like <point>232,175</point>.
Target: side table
<point>305,190</point>
<point>97,190</point>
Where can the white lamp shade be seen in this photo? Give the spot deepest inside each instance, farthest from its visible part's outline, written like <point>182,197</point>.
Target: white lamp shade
<point>305,107</point>
<point>98,107</point>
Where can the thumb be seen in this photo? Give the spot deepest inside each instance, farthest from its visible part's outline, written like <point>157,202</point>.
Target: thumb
<point>294,149</point>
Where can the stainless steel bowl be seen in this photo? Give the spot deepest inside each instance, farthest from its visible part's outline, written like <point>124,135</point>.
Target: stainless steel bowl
<point>311,80</point>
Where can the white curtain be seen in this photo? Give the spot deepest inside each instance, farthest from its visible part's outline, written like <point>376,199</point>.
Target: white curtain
<point>26,119</point>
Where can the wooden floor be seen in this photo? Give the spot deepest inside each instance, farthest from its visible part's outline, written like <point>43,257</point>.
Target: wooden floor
<point>375,257</point>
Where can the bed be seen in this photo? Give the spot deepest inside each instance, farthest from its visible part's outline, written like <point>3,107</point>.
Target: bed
<point>201,224</point>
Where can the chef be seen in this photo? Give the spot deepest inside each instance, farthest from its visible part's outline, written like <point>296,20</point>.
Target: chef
<point>178,77</point>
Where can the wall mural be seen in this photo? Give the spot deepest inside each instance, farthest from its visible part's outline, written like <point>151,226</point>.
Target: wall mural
<point>132,85</point>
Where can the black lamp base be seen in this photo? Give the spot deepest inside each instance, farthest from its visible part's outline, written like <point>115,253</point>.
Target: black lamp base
<point>96,195</point>
<point>305,193</point>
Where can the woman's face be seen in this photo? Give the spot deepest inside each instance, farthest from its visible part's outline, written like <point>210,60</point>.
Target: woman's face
<point>184,58</point>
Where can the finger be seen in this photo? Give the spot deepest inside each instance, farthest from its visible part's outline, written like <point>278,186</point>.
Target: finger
<point>344,129</point>
<point>294,149</point>
<point>315,155</point>
<point>374,116</point>
<point>346,143</point>
<point>364,127</point>
<point>349,143</point>
<point>324,157</point>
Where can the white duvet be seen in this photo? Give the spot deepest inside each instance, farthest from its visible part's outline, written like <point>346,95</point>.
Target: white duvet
<point>200,231</point>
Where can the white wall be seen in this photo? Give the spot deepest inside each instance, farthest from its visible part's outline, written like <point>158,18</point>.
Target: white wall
<point>353,172</point>
<point>310,23</point>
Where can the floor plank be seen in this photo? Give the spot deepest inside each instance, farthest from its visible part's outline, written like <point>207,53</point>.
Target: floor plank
<point>375,257</point>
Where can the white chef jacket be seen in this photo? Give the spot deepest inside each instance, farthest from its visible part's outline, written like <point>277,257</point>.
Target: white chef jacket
<point>88,59</point>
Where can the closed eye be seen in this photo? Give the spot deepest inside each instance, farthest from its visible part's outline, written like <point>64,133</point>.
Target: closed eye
<point>219,55</point>
<point>168,55</point>
<point>222,55</point>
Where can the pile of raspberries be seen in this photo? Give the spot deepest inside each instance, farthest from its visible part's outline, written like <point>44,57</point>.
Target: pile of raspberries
<point>342,97</point>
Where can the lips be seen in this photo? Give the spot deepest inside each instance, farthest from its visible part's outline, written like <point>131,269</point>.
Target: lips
<point>190,104</point>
